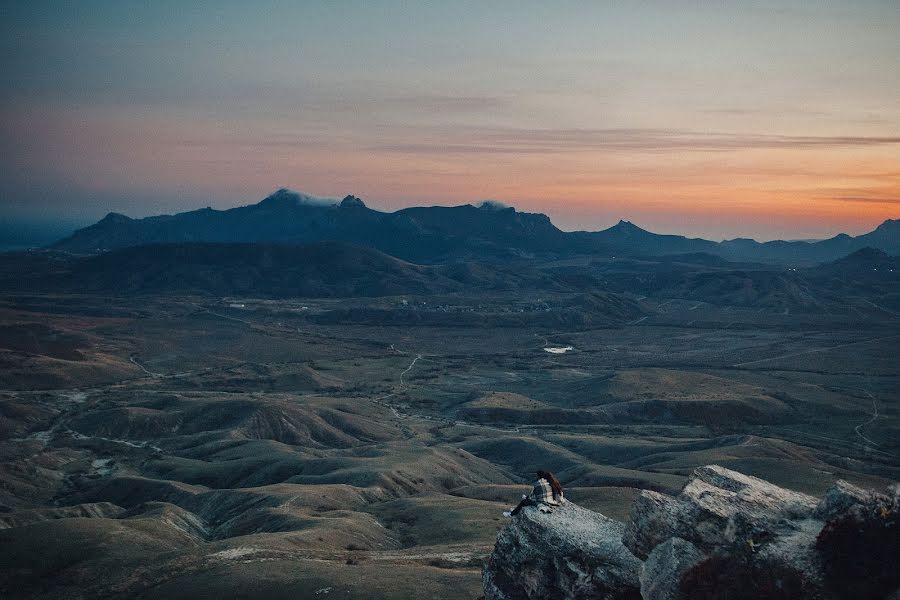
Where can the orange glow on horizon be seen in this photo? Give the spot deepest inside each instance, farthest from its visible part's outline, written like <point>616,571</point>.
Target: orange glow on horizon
<point>761,192</point>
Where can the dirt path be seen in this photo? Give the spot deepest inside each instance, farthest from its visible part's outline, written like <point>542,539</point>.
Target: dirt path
<point>875,415</point>
<point>409,368</point>
<point>402,385</point>
<point>143,368</point>
<point>406,415</point>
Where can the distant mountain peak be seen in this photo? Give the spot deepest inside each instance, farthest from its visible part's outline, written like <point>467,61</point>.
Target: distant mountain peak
<point>493,205</point>
<point>283,193</point>
<point>281,197</point>
<point>627,228</point>
<point>865,262</point>
<point>115,217</point>
<point>287,198</point>
<point>623,224</point>
<point>489,229</point>
<point>351,201</point>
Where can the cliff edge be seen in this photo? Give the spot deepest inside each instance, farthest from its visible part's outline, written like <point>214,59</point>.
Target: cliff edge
<point>724,536</point>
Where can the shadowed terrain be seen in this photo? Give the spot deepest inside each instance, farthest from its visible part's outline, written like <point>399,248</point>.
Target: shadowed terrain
<point>436,234</point>
<point>199,420</point>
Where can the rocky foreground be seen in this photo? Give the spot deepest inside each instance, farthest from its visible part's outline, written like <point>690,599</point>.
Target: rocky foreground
<point>725,536</point>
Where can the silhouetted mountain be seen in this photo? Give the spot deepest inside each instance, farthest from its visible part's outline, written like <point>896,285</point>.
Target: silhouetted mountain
<point>423,234</point>
<point>629,238</point>
<point>440,233</point>
<point>864,257</point>
<point>886,237</point>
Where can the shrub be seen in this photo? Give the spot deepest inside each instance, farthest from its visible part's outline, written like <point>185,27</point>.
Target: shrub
<point>860,551</point>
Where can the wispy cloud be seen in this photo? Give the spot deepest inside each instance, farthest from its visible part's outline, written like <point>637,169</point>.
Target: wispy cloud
<point>866,200</point>
<point>766,111</point>
<point>530,141</point>
<point>465,140</point>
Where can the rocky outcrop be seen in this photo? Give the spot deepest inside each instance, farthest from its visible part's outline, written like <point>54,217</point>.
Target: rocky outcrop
<point>715,507</point>
<point>661,573</point>
<point>724,536</point>
<point>569,553</point>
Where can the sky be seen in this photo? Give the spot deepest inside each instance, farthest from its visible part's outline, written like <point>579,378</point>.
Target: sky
<point>712,119</point>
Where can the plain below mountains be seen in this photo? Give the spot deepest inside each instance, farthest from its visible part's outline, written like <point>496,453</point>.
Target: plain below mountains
<point>442,234</point>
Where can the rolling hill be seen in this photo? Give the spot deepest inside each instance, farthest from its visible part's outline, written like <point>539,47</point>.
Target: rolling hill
<point>317,270</point>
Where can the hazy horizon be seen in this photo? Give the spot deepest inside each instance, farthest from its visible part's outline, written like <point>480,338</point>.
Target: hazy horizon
<point>21,232</point>
<point>302,400</point>
<point>777,121</point>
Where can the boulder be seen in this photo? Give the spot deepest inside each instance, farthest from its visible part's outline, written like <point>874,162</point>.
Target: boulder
<point>569,554</point>
<point>716,506</point>
<point>842,496</point>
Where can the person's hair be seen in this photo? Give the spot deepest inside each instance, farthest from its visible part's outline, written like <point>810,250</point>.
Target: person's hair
<point>553,481</point>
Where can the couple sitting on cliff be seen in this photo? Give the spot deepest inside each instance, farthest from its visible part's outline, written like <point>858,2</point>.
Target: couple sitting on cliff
<point>546,495</point>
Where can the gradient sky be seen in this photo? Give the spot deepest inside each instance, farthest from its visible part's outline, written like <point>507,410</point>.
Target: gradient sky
<point>715,119</point>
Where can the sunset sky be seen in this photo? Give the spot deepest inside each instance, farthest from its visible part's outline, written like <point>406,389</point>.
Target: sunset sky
<point>712,119</point>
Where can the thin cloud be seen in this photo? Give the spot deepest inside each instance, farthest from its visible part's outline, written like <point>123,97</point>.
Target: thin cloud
<point>768,111</point>
<point>865,200</point>
<point>460,140</point>
<point>492,205</point>
<point>531,141</point>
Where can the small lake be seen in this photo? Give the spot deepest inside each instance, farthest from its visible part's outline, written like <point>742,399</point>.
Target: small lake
<point>558,349</point>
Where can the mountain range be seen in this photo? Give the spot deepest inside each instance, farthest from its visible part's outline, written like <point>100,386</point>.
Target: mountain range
<point>439,234</point>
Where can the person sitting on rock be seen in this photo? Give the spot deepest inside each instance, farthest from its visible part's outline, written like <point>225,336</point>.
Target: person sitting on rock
<point>547,493</point>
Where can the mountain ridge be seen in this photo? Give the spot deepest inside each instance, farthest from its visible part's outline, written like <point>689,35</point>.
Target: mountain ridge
<point>435,234</point>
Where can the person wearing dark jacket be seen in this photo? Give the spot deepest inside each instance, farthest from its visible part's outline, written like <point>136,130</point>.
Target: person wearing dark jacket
<point>546,494</point>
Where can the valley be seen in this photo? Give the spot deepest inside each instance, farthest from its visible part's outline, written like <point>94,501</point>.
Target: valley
<point>450,301</point>
<point>185,446</point>
<point>294,397</point>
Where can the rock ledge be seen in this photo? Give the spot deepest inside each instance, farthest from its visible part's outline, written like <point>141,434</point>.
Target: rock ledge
<point>725,535</point>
